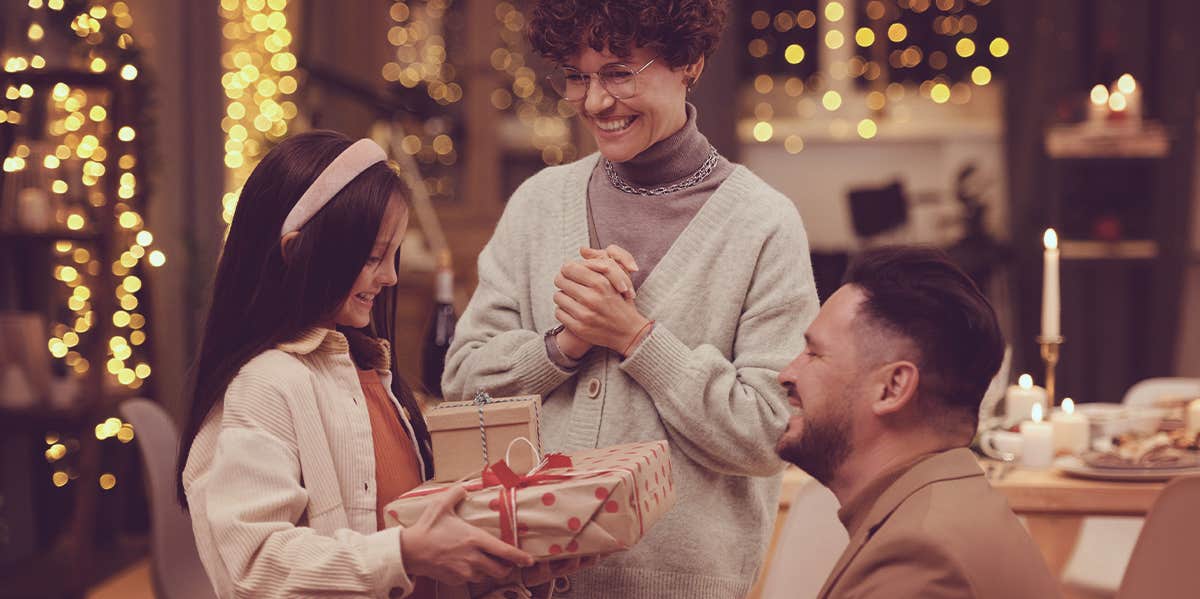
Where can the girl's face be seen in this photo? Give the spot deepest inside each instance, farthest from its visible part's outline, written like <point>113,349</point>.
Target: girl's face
<point>625,128</point>
<point>379,270</point>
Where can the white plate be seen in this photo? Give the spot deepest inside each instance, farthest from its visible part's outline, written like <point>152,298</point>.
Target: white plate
<point>1075,467</point>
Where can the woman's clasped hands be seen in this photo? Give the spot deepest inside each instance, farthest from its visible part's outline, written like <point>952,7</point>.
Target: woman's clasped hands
<point>595,303</point>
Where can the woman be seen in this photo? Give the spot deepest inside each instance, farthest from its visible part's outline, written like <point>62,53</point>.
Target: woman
<point>677,328</point>
<point>298,433</point>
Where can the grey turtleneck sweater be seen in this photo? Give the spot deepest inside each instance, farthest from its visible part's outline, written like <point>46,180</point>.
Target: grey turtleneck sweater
<point>645,225</point>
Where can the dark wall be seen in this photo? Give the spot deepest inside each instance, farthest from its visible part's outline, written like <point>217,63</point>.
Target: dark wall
<point>1120,316</point>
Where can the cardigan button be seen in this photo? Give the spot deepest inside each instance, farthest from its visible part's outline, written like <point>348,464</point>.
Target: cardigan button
<point>562,585</point>
<point>593,388</point>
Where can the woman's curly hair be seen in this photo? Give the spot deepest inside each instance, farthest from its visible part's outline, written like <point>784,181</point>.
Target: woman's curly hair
<point>681,31</point>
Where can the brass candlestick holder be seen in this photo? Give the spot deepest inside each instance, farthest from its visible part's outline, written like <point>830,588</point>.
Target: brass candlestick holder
<point>1050,350</point>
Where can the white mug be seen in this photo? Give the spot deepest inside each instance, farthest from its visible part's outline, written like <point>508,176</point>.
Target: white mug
<point>1001,445</point>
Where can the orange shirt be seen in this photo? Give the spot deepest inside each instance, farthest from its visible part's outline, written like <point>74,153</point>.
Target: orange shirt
<point>397,469</point>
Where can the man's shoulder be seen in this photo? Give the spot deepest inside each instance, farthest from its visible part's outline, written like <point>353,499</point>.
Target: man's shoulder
<point>965,530</point>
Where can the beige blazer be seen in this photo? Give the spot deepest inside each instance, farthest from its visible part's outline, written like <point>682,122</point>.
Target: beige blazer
<point>939,532</point>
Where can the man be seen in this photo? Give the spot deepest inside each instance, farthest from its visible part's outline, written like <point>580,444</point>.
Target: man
<point>887,397</point>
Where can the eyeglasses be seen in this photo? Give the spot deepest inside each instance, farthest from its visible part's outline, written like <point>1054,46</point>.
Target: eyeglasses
<point>620,81</point>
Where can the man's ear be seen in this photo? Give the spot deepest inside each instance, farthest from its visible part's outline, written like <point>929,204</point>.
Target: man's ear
<point>692,72</point>
<point>899,389</point>
<point>285,243</point>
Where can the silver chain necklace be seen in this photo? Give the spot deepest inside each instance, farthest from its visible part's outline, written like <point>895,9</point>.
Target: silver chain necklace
<point>701,174</point>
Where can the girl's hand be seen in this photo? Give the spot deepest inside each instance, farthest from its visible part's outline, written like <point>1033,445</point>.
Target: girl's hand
<point>444,547</point>
<point>592,309</point>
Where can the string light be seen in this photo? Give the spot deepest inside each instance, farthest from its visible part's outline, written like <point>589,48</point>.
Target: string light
<point>867,129</point>
<point>259,80</point>
<point>998,47</point>
<point>763,131</point>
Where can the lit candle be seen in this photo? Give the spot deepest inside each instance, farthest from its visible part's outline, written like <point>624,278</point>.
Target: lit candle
<point>1117,103</point>
<point>1051,327</point>
<point>1129,88</point>
<point>1193,419</point>
<point>1037,441</point>
<point>1071,429</point>
<point>1098,105</point>
<point>1020,399</point>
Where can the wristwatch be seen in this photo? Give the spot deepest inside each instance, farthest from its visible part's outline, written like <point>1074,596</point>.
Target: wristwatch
<point>555,353</point>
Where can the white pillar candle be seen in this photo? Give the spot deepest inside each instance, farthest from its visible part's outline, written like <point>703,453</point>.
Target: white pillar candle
<point>1117,103</point>
<point>1193,419</point>
<point>1098,106</point>
<point>1071,430</point>
<point>1051,327</point>
<point>1037,441</point>
<point>1128,87</point>
<point>1019,400</point>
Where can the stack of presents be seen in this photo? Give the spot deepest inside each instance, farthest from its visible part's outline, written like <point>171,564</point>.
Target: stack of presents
<point>552,506</point>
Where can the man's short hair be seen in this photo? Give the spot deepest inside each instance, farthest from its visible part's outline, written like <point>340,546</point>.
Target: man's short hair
<point>920,295</point>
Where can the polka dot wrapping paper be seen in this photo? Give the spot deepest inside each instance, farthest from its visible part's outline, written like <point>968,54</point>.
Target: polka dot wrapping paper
<point>604,501</point>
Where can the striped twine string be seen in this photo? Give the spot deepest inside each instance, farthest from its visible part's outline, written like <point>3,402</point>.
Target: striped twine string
<point>482,398</point>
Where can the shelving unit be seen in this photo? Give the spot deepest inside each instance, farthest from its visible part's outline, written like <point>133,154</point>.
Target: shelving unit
<point>1105,196</point>
<point>78,558</point>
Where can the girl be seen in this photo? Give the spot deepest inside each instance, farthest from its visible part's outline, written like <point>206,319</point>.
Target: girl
<point>298,432</point>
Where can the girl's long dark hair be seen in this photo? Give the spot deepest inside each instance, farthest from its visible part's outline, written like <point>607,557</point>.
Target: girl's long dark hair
<point>260,299</point>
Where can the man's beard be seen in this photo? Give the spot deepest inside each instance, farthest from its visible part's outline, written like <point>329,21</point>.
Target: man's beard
<point>823,444</point>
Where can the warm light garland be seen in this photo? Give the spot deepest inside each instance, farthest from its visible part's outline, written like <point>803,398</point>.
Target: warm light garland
<point>421,59</point>
<point>258,80</point>
<point>74,153</point>
<point>420,62</point>
<point>543,114</point>
<point>948,17</point>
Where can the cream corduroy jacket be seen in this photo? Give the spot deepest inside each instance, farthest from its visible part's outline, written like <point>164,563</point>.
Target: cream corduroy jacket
<point>280,480</point>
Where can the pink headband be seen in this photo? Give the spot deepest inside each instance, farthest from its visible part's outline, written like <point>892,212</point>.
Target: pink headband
<point>361,155</point>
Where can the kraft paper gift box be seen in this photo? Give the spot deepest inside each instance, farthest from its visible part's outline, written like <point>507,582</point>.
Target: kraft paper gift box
<point>461,449</point>
<point>588,502</point>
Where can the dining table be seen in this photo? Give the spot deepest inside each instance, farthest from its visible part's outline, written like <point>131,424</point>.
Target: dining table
<point>1055,504</point>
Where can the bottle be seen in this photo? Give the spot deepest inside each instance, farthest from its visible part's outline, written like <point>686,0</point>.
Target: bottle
<point>441,327</point>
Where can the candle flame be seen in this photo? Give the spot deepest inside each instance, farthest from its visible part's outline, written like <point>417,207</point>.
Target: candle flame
<point>1025,381</point>
<point>1099,95</point>
<point>1126,84</point>
<point>1050,239</point>
<point>1068,405</point>
<point>1036,412</point>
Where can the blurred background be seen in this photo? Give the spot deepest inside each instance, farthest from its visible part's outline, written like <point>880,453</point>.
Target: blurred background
<point>128,127</point>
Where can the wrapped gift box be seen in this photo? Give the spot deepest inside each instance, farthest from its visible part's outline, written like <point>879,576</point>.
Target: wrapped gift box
<point>461,449</point>
<point>588,502</point>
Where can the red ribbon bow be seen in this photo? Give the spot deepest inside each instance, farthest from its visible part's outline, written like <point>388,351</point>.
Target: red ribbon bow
<point>500,474</point>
